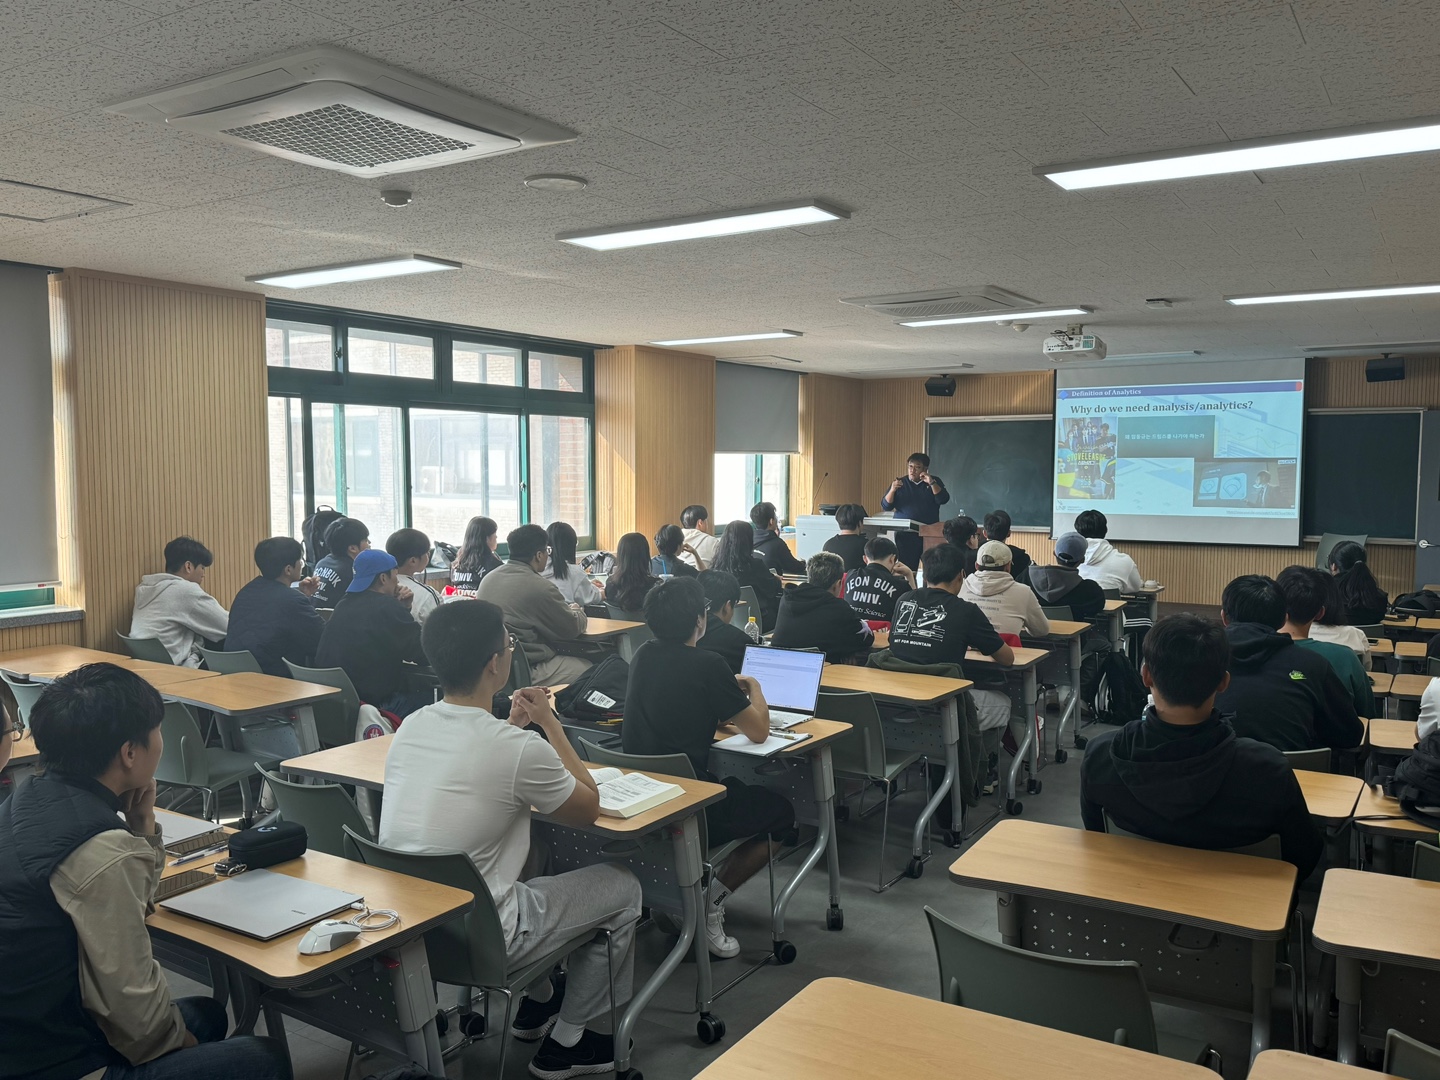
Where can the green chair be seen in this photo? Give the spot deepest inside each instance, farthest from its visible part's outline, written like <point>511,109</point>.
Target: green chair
<point>1309,760</point>
<point>187,762</point>
<point>230,663</point>
<point>325,613</point>
<point>862,755</point>
<point>336,715</point>
<point>1327,544</point>
<point>1432,666</point>
<point>1426,863</point>
<point>26,694</point>
<point>1099,999</point>
<point>519,670</point>
<point>469,951</point>
<point>324,809</point>
<point>1410,1059</point>
<point>740,616</point>
<point>1062,612</point>
<point>146,649</point>
<point>623,615</point>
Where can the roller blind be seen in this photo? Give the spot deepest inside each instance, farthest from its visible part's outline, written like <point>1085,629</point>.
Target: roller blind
<point>28,552</point>
<point>757,410</point>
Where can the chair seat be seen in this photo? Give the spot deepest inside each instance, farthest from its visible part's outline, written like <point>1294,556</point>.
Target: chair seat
<point>228,766</point>
<point>896,762</point>
<point>1181,1048</point>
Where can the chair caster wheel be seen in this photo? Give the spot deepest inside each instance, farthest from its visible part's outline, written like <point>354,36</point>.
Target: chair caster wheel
<point>835,919</point>
<point>915,867</point>
<point>785,952</point>
<point>951,838</point>
<point>710,1028</point>
<point>1061,757</point>
<point>1032,786</point>
<point>1013,807</point>
<point>473,1026</point>
<point>442,1022</point>
<point>1080,741</point>
<point>630,1074</point>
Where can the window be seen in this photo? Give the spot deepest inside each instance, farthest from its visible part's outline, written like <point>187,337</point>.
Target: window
<point>471,363</point>
<point>560,470</point>
<point>381,352</point>
<point>463,464</point>
<point>551,372</point>
<point>359,468</point>
<point>287,466</point>
<point>299,345</point>
<point>742,480</point>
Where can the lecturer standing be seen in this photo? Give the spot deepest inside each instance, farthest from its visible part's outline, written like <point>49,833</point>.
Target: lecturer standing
<point>918,496</point>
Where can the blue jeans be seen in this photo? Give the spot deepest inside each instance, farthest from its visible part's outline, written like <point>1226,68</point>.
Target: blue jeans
<point>246,1057</point>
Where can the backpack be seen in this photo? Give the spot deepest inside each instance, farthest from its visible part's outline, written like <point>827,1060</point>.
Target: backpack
<point>599,694</point>
<point>1423,603</point>
<point>312,533</point>
<point>1416,782</point>
<point>1120,696</point>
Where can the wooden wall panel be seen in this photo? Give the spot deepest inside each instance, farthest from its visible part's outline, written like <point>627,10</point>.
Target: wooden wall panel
<point>30,637</point>
<point>831,417</point>
<point>615,430</point>
<point>161,389</point>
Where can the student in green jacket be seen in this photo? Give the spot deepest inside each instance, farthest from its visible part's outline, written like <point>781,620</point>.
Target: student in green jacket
<point>1309,593</point>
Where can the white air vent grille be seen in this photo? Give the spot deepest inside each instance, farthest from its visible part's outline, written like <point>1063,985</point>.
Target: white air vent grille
<point>940,302</point>
<point>348,136</point>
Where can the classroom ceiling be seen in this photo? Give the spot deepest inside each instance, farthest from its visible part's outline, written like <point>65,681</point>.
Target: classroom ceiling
<point>923,119</point>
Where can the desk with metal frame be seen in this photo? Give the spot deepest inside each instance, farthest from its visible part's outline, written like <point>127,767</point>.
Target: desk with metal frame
<point>1071,634</point>
<point>1028,752</point>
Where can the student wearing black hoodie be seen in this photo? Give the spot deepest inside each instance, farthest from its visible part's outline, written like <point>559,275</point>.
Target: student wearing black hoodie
<point>1280,693</point>
<point>1062,586</point>
<point>769,545</point>
<point>1180,774</point>
<point>722,592</point>
<point>997,527</point>
<point>815,615</point>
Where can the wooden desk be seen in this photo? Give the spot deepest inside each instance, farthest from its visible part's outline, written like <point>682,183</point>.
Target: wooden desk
<point>23,662</point>
<point>1410,650</point>
<point>1409,687</point>
<point>1378,815</point>
<point>1380,682</point>
<point>1068,633</point>
<point>278,964</point>
<point>900,686</point>
<point>1375,918</point>
<point>1114,613</point>
<point>836,1029</point>
<point>1426,624</point>
<point>1235,895</point>
<point>1391,736</point>
<point>1151,596</point>
<point>252,694</point>
<point>600,629</point>
<point>1405,622</point>
<point>1288,1065</point>
<point>1329,796</point>
<point>1378,647</point>
<point>160,676</point>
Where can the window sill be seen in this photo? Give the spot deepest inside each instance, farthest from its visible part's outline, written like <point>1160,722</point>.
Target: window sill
<point>39,616</point>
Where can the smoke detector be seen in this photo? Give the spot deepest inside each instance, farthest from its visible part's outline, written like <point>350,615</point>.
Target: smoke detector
<point>939,302</point>
<point>335,110</point>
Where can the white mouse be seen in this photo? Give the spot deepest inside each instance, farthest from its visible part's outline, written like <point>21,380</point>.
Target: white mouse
<point>327,935</point>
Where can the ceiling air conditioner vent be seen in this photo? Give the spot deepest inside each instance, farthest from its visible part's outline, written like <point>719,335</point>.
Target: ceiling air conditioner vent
<point>938,302</point>
<point>335,110</point>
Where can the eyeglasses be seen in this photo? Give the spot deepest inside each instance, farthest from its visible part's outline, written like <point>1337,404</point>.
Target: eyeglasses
<point>512,641</point>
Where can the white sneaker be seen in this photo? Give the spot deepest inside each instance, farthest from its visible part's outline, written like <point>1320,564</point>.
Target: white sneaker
<point>722,945</point>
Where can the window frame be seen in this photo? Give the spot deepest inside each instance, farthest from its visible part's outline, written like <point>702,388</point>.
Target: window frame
<point>755,466</point>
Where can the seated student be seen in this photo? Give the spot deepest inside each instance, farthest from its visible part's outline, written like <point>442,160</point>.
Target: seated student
<point>737,555</point>
<point>1365,602</point>
<point>849,542</point>
<point>677,697</point>
<point>344,539</point>
<point>997,527</point>
<point>670,545</point>
<point>1429,711</point>
<point>1308,591</point>
<point>411,548</point>
<point>271,620</point>
<point>815,615</point>
<point>175,608</point>
<point>873,591</point>
<point>1331,626</point>
<point>769,545</point>
<point>1010,606</point>
<point>1180,774</point>
<point>631,578</point>
<point>1279,693</point>
<point>534,610</point>
<point>1108,568</point>
<point>371,635</point>
<point>722,592</point>
<point>963,534</point>
<point>574,584</point>
<point>1062,586</point>
<point>458,779</point>
<point>695,520</point>
<point>82,993</point>
<point>476,556</point>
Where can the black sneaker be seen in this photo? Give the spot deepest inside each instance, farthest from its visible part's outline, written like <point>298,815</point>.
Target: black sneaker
<point>534,1019</point>
<point>594,1053</point>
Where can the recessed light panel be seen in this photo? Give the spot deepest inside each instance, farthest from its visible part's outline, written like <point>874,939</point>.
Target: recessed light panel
<point>1376,293</point>
<point>1001,316</point>
<point>369,270</point>
<point>701,226</point>
<point>765,335</point>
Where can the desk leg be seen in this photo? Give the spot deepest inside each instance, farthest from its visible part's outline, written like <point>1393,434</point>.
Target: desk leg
<point>825,845</point>
<point>305,729</point>
<point>1117,629</point>
<point>1031,694</point>
<point>1071,713</point>
<point>245,995</point>
<point>1262,981</point>
<point>1007,913</point>
<point>1026,752</point>
<point>1347,992</point>
<point>415,1005</point>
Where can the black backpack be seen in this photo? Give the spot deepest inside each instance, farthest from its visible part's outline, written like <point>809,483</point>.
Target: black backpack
<point>599,694</point>
<point>312,532</point>
<point>1424,604</point>
<point>1120,696</point>
<point>1416,782</point>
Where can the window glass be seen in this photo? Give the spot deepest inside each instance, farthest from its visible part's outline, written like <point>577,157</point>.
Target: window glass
<point>359,466</point>
<point>299,345</point>
<point>381,352</point>
<point>551,372</point>
<point>560,471</point>
<point>492,364</point>
<point>775,484</point>
<point>734,489</point>
<point>287,466</point>
<point>463,464</point>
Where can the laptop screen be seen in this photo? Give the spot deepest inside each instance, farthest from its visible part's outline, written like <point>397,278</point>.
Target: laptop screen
<point>789,679</point>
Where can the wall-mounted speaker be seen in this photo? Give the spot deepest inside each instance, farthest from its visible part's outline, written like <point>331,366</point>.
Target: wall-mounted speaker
<point>940,386</point>
<point>1385,369</point>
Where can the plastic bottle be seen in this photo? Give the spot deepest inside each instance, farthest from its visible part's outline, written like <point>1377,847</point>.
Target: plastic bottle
<point>752,630</point>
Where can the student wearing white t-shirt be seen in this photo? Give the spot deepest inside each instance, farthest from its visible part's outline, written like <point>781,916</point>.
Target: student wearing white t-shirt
<point>574,584</point>
<point>411,548</point>
<point>459,779</point>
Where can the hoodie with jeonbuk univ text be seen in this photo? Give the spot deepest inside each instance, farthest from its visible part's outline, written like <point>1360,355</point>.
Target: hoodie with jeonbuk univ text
<point>1284,695</point>
<point>1199,786</point>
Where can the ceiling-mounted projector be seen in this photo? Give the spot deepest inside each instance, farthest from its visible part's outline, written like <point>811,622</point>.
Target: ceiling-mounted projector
<point>1062,345</point>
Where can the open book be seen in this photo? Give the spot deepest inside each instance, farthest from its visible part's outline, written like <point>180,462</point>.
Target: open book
<point>778,741</point>
<point>624,795</point>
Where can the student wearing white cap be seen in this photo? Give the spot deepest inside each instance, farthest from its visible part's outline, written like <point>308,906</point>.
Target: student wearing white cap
<point>1010,606</point>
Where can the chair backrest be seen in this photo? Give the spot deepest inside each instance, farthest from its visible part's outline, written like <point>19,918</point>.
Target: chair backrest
<point>26,694</point>
<point>751,598</point>
<point>1268,848</point>
<point>182,759</point>
<point>888,661</point>
<point>1112,594</point>
<point>622,614</point>
<point>469,951</point>
<point>740,616</point>
<point>1432,666</point>
<point>325,613</point>
<point>1099,999</point>
<point>335,716</point>
<point>1410,1059</point>
<point>519,670</point>
<point>1426,862</point>
<point>324,810</point>
<point>1328,542</point>
<point>666,764</point>
<point>230,663</point>
<point>1060,612</point>
<point>1309,760</point>
<point>862,751</point>
<point>146,648</point>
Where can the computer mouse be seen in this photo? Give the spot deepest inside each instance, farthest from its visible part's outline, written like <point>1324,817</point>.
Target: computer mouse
<point>327,935</point>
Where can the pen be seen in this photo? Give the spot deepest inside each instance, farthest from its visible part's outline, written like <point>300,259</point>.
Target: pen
<point>213,849</point>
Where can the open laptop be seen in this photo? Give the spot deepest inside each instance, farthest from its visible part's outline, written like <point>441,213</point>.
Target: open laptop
<point>789,679</point>
<point>261,904</point>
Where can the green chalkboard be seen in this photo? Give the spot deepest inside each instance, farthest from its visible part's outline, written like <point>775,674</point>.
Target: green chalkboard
<point>1360,473</point>
<point>995,464</point>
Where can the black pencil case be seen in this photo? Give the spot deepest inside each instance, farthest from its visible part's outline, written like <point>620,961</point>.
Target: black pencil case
<point>266,845</point>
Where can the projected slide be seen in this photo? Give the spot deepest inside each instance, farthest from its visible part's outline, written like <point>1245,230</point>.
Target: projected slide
<point>1202,458</point>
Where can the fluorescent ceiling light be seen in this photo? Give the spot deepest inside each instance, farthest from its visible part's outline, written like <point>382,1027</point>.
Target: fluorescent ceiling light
<point>1185,355</point>
<point>766,336</point>
<point>999,316</point>
<point>1335,294</point>
<point>1307,148</point>
<point>1370,346</point>
<point>724,223</point>
<point>369,270</point>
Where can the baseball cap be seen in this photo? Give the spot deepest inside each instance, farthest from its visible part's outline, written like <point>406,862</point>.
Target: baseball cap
<point>993,554</point>
<point>1070,549</point>
<point>370,564</point>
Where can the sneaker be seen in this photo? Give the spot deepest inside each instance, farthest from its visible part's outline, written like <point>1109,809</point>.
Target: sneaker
<point>594,1053</point>
<point>722,945</point>
<point>534,1019</point>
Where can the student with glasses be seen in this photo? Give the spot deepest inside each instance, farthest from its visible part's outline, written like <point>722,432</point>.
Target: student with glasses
<point>534,609</point>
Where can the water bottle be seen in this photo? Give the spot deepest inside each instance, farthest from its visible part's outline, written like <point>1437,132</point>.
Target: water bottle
<point>752,630</point>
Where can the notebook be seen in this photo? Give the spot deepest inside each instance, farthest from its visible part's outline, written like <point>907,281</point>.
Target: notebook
<point>624,795</point>
<point>778,740</point>
<point>789,679</point>
<point>261,904</point>
<point>186,834</point>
